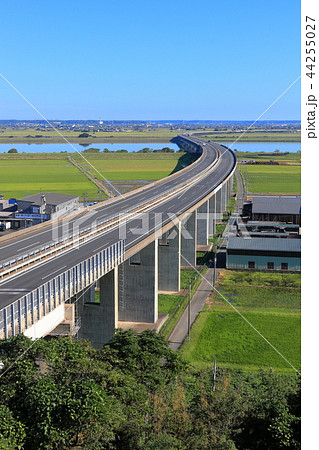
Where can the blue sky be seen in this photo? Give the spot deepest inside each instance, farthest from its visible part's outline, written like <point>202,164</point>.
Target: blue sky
<point>150,60</point>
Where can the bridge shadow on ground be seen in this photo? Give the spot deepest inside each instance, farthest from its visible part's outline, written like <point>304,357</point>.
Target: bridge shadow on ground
<point>185,160</point>
<point>221,259</point>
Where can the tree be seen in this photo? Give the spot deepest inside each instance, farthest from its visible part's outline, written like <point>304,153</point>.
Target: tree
<point>13,150</point>
<point>137,393</point>
<point>272,419</point>
<point>147,355</point>
<point>91,150</point>
<point>167,150</point>
<point>145,150</point>
<point>12,432</point>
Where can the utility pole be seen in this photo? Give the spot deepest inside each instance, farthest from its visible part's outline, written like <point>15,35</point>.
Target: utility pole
<point>189,310</point>
<point>44,203</point>
<point>85,197</point>
<point>214,375</point>
<point>214,273</point>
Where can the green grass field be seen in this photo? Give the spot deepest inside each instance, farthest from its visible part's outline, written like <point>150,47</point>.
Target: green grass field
<point>26,177</point>
<point>130,166</point>
<point>273,179</point>
<point>30,173</point>
<point>270,302</point>
<point>223,335</point>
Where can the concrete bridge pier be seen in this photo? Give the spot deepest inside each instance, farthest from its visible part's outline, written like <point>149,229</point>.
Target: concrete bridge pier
<point>218,205</point>
<point>224,197</point>
<point>212,215</point>
<point>231,183</point>
<point>139,289</point>
<point>169,260</point>
<point>189,240</point>
<point>203,224</point>
<point>99,320</point>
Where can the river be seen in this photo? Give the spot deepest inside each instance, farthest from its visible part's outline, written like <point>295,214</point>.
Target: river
<point>267,147</point>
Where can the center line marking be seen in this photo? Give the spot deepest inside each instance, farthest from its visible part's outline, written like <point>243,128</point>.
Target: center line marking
<point>53,272</point>
<point>28,246</point>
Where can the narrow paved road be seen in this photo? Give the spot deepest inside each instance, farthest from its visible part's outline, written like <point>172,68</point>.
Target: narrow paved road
<point>179,334</point>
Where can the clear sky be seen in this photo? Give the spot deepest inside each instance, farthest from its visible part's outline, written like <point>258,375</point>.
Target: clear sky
<point>141,59</point>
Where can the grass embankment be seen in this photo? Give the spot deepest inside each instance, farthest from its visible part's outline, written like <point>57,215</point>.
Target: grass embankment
<point>291,158</point>
<point>270,302</point>
<point>273,179</point>
<point>31,135</point>
<point>252,136</point>
<point>30,173</point>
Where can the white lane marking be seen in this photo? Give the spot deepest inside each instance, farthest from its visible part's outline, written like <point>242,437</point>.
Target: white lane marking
<point>13,291</point>
<point>104,246</point>
<point>34,243</point>
<point>97,237</point>
<point>56,227</point>
<point>60,268</point>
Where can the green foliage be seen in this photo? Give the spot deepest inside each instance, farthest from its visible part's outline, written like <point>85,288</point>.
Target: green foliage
<point>136,393</point>
<point>12,432</point>
<point>279,280</point>
<point>273,420</point>
<point>143,353</point>
<point>91,150</point>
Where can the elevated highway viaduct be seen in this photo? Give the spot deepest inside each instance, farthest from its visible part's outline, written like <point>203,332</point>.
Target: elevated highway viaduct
<point>130,247</point>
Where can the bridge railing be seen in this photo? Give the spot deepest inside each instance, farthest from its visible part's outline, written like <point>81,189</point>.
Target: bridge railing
<point>10,265</point>
<point>33,306</point>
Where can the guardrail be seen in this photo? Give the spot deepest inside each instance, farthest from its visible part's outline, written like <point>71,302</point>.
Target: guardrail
<point>32,307</point>
<point>26,259</point>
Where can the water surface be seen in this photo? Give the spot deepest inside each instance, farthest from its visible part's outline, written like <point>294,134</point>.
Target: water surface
<point>266,147</point>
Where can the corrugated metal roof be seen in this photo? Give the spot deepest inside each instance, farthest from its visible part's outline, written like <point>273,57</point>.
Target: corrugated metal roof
<point>276,205</point>
<point>51,198</point>
<point>260,223</point>
<point>266,233</point>
<point>264,244</point>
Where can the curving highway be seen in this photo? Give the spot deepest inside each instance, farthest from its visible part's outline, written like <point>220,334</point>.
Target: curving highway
<point>192,185</point>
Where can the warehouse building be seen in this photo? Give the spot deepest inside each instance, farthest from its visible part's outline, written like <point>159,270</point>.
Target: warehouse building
<point>35,209</point>
<point>274,208</point>
<point>46,206</point>
<point>263,254</point>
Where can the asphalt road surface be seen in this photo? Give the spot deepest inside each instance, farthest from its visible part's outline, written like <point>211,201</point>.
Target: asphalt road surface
<point>27,281</point>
